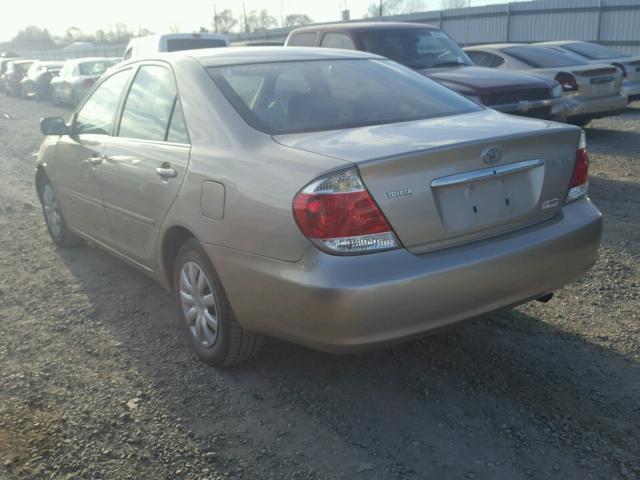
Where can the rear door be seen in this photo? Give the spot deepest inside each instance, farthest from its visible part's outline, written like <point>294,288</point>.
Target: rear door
<point>78,160</point>
<point>144,164</point>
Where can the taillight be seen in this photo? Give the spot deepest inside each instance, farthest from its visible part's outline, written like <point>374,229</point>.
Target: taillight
<point>339,215</point>
<point>567,81</point>
<point>580,177</point>
<point>621,67</point>
<point>88,82</point>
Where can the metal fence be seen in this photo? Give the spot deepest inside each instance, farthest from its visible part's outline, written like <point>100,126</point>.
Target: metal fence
<point>610,22</point>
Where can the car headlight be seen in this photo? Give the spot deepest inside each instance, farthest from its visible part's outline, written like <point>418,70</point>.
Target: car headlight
<point>556,92</point>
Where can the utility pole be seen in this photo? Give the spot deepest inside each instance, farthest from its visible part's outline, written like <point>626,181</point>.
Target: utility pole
<point>246,25</point>
<point>380,9</point>
<point>215,17</point>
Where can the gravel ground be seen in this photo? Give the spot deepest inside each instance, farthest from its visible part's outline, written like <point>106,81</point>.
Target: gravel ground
<point>97,382</point>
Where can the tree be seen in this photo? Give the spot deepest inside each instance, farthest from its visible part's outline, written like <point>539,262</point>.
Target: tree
<point>445,4</point>
<point>33,37</point>
<point>224,21</point>
<point>296,20</point>
<point>395,7</point>
<point>259,21</point>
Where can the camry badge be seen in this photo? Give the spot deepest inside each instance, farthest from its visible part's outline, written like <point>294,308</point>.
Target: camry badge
<point>491,155</point>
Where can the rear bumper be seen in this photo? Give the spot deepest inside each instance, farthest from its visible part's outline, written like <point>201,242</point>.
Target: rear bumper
<point>631,90</point>
<point>346,304</point>
<point>579,106</point>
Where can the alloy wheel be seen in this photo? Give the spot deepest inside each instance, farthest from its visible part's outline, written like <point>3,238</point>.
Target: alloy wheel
<point>199,304</point>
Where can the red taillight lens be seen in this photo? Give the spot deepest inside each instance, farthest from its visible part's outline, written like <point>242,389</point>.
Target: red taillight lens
<point>580,176</point>
<point>339,213</point>
<point>567,81</point>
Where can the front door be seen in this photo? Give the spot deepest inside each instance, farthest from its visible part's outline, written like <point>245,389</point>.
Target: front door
<point>145,163</point>
<point>76,170</point>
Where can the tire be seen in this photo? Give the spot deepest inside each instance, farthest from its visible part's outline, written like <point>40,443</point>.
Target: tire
<point>57,227</point>
<point>211,327</point>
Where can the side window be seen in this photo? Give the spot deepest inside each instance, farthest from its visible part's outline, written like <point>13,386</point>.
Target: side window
<point>497,61</point>
<point>97,114</point>
<point>127,54</point>
<point>337,40</point>
<point>479,58</point>
<point>303,39</point>
<point>149,104</point>
<point>177,129</point>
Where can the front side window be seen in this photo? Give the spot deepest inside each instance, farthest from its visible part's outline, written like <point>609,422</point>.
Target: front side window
<point>593,51</point>
<point>337,40</point>
<point>290,97</point>
<point>415,47</point>
<point>149,104</point>
<point>541,57</point>
<point>98,112</point>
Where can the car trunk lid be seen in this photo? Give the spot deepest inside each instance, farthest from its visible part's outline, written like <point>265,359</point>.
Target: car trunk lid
<point>431,182</point>
<point>598,80</point>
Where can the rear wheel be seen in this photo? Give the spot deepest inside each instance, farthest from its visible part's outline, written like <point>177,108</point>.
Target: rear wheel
<point>53,217</point>
<point>207,317</point>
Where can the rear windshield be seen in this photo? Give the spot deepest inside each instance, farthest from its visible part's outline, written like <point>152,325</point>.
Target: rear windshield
<point>593,51</point>
<point>176,44</point>
<point>292,97</point>
<point>541,57</point>
<point>95,68</point>
<point>415,47</point>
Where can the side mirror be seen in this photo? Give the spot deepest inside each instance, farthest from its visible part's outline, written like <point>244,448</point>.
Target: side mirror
<point>53,126</point>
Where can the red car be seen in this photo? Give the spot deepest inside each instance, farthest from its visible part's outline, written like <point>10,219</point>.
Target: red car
<point>434,54</point>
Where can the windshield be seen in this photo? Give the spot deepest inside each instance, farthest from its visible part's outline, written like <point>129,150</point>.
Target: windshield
<point>415,47</point>
<point>541,57</point>
<point>593,51</point>
<point>177,44</point>
<point>291,97</point>
<point>96,68</point>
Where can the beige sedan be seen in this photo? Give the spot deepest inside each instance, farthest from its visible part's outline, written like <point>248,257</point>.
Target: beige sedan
<point>331,198</point>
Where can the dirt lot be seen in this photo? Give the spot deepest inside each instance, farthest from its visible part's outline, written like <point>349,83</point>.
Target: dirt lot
<point>96,381</point>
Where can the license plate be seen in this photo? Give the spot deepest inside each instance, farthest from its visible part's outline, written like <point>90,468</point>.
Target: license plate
<point>601,89</point>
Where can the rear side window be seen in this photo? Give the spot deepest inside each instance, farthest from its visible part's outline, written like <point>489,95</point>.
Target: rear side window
<point>149,104</point>
<point>337,40</point>
<point>177,132</point>
<point>593,51</point>
<point>98,112</point>
<point>540,57</point>
<point>290,97</point>
<point>303,39</point>
<point>485,59</point>
<point>176,44</point>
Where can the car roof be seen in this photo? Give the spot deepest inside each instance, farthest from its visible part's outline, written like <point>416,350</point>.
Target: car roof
<point>21,61</point>
<point>355,26</point>
<point>496,46</point>
<point>214,57</point>
<point>559,42</point>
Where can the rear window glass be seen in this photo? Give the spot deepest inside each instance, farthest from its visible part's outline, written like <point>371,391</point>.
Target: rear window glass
<point>95,68</point>
<point>176,44</point>
<point>306,39</point>
<point>593,51</point>
<point>541,57</point>
<point>291,97</point>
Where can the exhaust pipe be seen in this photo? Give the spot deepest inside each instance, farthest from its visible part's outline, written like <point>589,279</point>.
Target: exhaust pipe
<point>545,298</point>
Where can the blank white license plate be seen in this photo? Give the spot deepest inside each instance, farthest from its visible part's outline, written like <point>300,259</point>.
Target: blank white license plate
<point>601,89</point>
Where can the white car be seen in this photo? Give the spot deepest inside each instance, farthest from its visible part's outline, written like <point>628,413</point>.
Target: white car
<point>172,42</point>
<point>590,90</point>
<point>594,53</point>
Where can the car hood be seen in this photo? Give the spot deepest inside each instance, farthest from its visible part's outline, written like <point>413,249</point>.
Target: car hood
<point>380,141</point>
<point>472,80</point>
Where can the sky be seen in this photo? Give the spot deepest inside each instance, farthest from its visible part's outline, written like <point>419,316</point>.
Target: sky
<point>159,15</point>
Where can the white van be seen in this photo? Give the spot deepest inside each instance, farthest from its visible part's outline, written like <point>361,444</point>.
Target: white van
<point>172,42</point>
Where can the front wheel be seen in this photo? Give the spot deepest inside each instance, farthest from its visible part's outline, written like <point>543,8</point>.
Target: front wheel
<point>206,316</point>
<point>58,230</point>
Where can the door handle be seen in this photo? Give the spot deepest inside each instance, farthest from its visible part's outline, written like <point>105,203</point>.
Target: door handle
<point>166,172</point>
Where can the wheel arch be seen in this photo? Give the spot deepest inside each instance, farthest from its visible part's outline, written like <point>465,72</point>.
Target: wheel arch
<point>172,240</point>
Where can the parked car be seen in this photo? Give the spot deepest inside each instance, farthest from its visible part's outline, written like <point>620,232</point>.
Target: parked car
<point>77,76</point>
<point>594,53</point>
<point>172,42</point>
<point>332,198</point>
<point>37,81</point>
<point>5,58</point>
<point>432,53</point>
<point>590,90</point>
<point>14,73</point>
